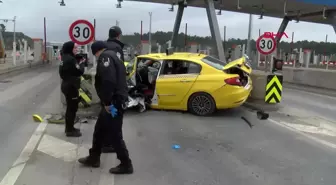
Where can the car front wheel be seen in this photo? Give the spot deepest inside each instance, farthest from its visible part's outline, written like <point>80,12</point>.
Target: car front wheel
<point>201,104</point>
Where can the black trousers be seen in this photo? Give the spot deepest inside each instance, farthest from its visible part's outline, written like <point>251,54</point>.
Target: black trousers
<point>72,99</point>
<point>107,125</point>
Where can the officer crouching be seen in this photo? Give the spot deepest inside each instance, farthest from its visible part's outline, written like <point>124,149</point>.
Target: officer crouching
<point>111,87</point>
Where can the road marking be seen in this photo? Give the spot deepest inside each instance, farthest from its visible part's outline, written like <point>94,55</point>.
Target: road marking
<point>18,166</point>
<point>326,143</point>
<point>61,149</point>
<point>311,93</point>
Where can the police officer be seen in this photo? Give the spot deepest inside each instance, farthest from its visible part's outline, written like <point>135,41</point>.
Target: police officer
<point>113,43</point>
<point>111,87</point>
<point>70,71</point>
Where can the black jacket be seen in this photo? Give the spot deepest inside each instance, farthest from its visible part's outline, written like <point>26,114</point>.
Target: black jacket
<point>110,79</point>
<point>69,70</point>
<point>116,46</point>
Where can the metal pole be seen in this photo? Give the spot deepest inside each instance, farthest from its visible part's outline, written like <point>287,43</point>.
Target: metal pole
<point>150,33</point>
<point>248,49</point>
<point>94,28</point>
<point>14,42</point>
<point>325,55</point>
<point>224,38</point>
<point>186,36</point>
<point>141,32</point>
<point>45,39</point>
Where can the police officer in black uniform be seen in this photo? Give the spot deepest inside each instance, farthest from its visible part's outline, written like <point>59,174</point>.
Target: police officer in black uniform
<point>111,87</point>
<point>113,43</point>
<point>70,71</point>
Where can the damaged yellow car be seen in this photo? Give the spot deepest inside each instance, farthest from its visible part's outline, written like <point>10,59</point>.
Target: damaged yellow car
<point>191,82</point>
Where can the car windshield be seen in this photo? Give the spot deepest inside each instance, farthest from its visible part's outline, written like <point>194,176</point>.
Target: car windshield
<point>216,63</point>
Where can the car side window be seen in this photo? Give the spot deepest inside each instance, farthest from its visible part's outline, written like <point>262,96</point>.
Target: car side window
<point>174,67</point>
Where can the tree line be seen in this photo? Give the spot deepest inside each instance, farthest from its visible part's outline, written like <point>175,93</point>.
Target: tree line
<point>161,38</point>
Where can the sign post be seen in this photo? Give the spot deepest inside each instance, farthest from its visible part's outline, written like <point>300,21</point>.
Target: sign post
<point>81,32</point>
<point>266,45</point>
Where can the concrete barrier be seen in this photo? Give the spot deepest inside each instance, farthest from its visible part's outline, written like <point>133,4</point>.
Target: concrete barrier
<point>310,77</point>
<point>258,93</point>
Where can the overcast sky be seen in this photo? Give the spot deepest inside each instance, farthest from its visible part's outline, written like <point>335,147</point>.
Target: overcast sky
<point>30,15</point>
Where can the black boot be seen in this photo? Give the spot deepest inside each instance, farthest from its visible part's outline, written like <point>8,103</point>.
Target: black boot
<point>73,133</point>
<point>122,168</point>
<point>108,149</point>
<point>90,161</point>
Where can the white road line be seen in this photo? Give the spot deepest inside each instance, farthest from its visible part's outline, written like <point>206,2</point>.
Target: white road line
<point>326,143</point>
<point>18,166</point>
<point>311,93</point>
<point>61,149</point>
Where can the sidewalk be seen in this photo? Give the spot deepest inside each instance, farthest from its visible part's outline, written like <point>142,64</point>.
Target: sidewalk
<point>50,157</point>
<point>9,67</point>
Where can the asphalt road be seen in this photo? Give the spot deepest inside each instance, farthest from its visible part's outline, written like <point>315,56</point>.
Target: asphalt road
<point>316,103</point>
<point>216,150</point>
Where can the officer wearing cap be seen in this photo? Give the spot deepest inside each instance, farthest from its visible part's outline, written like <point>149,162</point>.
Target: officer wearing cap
<point>111,87</point>
<point>113,43</point>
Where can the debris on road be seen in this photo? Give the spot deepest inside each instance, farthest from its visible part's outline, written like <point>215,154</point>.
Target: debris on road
<point>176,146</point>
<point>262,115</point>
<point>247,121</point>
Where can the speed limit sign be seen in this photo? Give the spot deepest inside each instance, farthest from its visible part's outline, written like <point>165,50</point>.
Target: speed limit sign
<point>81,32</point>
<point>266,44</point>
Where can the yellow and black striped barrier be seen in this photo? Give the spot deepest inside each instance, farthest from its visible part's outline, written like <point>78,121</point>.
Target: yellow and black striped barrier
<point>273,89</point>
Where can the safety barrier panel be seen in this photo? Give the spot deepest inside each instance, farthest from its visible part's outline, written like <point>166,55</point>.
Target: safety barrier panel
<point>273,88</point>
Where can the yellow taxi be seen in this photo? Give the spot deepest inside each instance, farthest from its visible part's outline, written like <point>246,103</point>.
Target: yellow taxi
<point>191,82</point>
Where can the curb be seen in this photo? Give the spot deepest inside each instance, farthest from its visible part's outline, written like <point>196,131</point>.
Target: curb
<point>20,68</point>
<point>261,105</point>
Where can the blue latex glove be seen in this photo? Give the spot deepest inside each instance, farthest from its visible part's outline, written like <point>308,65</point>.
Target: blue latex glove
<point>113,111</point>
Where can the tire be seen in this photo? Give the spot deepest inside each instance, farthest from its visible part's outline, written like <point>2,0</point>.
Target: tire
<point>201,104</point>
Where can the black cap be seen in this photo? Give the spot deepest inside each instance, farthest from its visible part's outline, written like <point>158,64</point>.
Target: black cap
<point>114,32</point>
<point>97,46</point>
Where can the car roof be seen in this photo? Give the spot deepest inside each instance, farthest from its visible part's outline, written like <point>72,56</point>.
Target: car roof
<point>176,55</point>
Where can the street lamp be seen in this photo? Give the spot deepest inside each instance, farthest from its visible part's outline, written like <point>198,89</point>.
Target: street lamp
<point>62,3</point>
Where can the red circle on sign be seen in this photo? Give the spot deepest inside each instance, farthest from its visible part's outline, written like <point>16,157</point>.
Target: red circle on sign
<point>92,30</point>
<point>258,45</point>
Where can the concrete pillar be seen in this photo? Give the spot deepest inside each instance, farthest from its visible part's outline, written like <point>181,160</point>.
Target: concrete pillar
<point>25,51</point>
<point>177,24</point>
<point>214,29</point>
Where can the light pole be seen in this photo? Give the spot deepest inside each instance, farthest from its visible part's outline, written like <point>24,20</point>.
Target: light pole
<point>150,33</point>
<point>14,37</point>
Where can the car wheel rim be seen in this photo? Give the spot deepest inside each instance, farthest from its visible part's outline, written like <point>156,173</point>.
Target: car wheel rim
<point>201,105</point>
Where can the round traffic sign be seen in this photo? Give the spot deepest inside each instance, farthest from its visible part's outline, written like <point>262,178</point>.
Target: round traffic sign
<point>81,32</point>
<point>266,44</point>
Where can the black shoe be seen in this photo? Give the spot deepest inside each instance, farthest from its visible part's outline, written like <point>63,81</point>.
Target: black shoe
<point>122,169</point>
<point>90,162</point>
<point>74,133</point>
<point>108,149</point>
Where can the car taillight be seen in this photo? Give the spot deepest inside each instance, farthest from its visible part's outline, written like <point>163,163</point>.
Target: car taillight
<point>233,81</point>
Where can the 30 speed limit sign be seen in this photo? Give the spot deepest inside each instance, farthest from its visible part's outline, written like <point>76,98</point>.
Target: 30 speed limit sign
<point>266,44</point>
<point>81,32</point>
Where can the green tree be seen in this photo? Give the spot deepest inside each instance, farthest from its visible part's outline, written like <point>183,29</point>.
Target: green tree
<point>2,27</point>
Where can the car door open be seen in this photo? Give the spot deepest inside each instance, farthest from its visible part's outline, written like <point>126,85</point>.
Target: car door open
<point>175,80</point>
